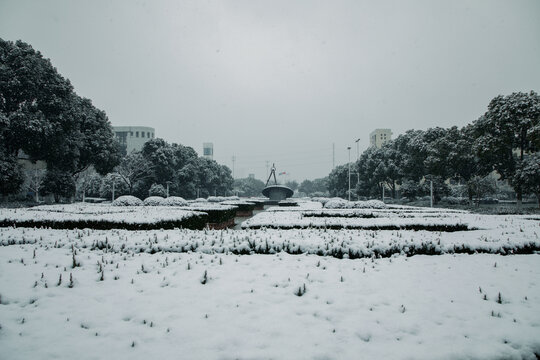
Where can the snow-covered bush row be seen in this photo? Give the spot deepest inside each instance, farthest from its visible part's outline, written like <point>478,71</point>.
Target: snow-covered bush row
<point>338,203</point>
<point>322,200</point>
<point>127,200</point>
<point>297,220</point>
<point>222,198</point>
<point>153,201</point>
<point>217,213</point>
<point>497,234</point>
<point>105,217</point>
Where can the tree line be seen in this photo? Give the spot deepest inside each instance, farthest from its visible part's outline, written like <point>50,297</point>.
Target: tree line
<point>43,118</point>
<point>504,141</point>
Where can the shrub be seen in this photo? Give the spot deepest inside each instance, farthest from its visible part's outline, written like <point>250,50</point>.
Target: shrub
<point>337,203</point>
<point>153,201</point>
<point>127,200</point>
<point>369,204</point>
<point>174,201</point>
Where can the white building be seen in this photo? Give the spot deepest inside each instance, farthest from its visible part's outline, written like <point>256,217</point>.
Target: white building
<point>208,150</point>
<point>379,136</point>
<point>133,137</point>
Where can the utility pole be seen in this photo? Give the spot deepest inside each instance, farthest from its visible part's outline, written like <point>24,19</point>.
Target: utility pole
<point>431,192</point>
<point>168,182</point>
<point>349,148</point>
<point>233,160</point>
<point>267,164</point>
<point>113,189</point>
<point>382,192</point>
<point>357,149</point>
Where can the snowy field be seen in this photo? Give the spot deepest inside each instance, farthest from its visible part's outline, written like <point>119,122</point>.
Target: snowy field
<point>300,294</point>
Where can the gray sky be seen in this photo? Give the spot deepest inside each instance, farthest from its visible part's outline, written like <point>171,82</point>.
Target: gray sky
<point>283,80</point>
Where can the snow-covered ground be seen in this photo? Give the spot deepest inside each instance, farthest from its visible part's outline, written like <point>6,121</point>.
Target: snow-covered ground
<point>160,306</point>
<point>308,293</point>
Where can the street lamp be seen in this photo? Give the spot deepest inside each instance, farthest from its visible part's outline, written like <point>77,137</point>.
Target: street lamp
<point>357,159</point>
<point>349,149</point>
<point>357,149</point>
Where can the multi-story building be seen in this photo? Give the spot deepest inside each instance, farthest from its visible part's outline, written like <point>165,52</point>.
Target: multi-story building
<point>133,137</point>
<point>208,150</point>
<point>379,136</point>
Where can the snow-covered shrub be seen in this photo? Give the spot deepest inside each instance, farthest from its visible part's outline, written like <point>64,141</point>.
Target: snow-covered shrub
<point>369,204</point>
<point>322,200</point>
<point>153,201</point>
<point>337,203</point>
<point>174,201</point>
<point>199,200</point>
<point>451,200</point>
<point>127,200</point>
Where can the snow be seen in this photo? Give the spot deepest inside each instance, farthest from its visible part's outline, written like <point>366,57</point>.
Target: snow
<point>339,203</point>
<point>95,213</point>
<point>127,200</point>
<point>420,307</point>
<point>174,201</point>
<point>143,294</point>
<point>153,201</point>
<point>222,198</point>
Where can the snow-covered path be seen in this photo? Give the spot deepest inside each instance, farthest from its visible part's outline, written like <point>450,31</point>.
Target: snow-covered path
<point>155,306</point>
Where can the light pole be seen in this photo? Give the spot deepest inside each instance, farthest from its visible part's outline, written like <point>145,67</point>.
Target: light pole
<point>357,159</point>
<point>113,182</point>
<point>168,182</point>
<point>349,149</point>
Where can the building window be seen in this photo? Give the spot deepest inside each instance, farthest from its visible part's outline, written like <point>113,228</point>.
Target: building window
<point>152,135</point>
<point>142,133</point>
<point>131,133</point>
<point>136,134</point>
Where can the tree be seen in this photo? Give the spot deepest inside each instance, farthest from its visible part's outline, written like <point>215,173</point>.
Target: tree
<point>248,186</point>
<point>132,169</point>
<point>506,132</point>
<point>338,181</point>
<point>59,183</point>
<point>157,190</point>
<point>528,175</point>
<point>106,187</point>
<point>481,186</point>
<point>11,175</point>
<point>41,115</point>
<point>293,185</point>
<point>34,181</point>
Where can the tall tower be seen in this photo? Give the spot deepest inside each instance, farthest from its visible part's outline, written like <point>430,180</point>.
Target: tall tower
<point>208,150</point>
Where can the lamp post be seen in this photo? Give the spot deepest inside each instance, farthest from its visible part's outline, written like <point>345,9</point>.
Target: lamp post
<point>113,182</point>
<point>357,158</point>
<point>349,149</point>
<point>168,182</point>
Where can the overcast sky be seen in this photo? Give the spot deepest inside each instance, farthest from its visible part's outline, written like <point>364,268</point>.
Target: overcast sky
<point>281,81</point>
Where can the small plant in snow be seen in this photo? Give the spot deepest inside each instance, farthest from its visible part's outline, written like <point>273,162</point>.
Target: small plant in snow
<point>301,290</point>
<point>59,280</point>
<point>499,298</point>
<point>70,285</point>
<point>204,279</point>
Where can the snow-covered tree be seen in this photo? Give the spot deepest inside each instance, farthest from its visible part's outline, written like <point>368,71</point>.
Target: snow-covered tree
<point>528,175</point>
<point>507,132</point>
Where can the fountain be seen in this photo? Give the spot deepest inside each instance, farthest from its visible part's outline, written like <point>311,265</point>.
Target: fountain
<point>276,192</point>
